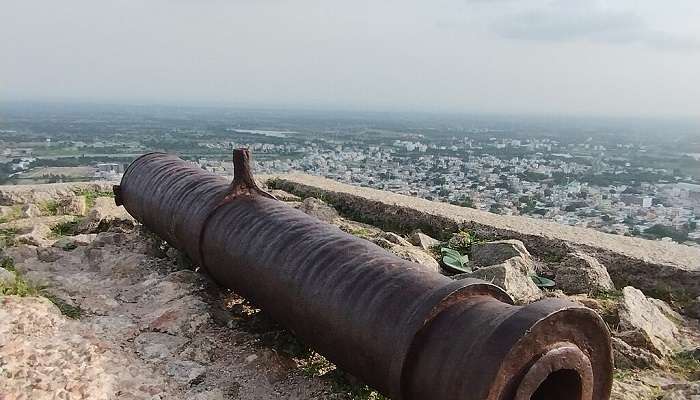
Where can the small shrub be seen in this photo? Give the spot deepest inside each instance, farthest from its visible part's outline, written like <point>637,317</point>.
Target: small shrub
<point>687,364</point>
<point>15,213</point>
<point>7,237</point>
<point>20,287</point>
<point>66,228</point>
<point>66,309</point>
<point>363,233</point>
<point>49,207</point>
<point>91,195</point>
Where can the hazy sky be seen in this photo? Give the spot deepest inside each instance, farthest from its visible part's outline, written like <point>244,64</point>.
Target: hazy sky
<point>618,57</point>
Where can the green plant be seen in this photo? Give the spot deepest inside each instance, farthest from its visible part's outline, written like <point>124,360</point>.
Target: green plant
<point>454,260</point>
<point>7,263</point>
<point>49,207</point>
<point>542,282</point>
<point>7,237</point>
<point>15,213</point>
<point>20,287</point>
<point>66,309</point>
<point>686,363</point>
<point>65,228</point>
<point>91,195</point>
<point>363,233</point>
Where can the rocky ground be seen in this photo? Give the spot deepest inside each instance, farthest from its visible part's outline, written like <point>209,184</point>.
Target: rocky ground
<point>94,306</point>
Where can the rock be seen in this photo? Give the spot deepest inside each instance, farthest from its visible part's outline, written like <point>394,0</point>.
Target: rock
<point>581,273</point>
<point>423,241</point>
<point>628,357</point>
<point>48,254</point>
<point>185,372</point>
<point>109,238</point>
<point>182,316</point>
<point>9,213</point>
<point>154,346</point>
<point>416,255</point>
<point>693,309</point>
<point>72,205</point>
<point>281,195</point>
<point>213,394</point>
<point>31,211</point>
<point>643,325</point>
<point>492,253</point>
<point>687,391</point>
<point>511,276</point>
<point>67,243</point>
<point>6,277</point>
<point>319,209</point>
<point>395,239</point>
<point>105,215</point>
<point>632,391</point>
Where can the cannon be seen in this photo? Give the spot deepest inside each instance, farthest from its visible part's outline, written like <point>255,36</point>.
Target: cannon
<point>410,333</point>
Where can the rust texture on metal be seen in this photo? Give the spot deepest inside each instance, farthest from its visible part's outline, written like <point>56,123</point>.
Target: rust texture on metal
<point>410,333</point>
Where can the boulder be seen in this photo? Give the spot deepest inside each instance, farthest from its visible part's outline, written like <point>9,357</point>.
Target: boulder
<point>48,254</point>
<point>72,205</point>
<point>423,241</point>
<point>416,255</point>
<point>581,273</point>
<point>395,239</point>
<point>8,213</point>
<point>105,215</point>
<point>644,325</point>
<point>284,196</point>
<point>319,209</point>
<point>512,275</point>
<point>492,253</point>
<point>628,357</point>
<point>31,211</point>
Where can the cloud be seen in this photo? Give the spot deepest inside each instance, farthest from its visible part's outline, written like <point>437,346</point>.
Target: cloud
<point>588,21</point>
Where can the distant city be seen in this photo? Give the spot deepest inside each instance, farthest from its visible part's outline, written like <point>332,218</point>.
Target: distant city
<point>637,178</point>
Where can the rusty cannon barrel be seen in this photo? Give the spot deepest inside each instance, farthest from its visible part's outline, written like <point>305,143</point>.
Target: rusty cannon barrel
<point>411,334</point>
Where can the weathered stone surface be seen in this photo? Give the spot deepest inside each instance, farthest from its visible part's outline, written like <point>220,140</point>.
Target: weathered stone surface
<point>319,209</point>
<point>643,325</point>
<point>492,253</point>
<point>31,211</point>
<point>509,276</point>
<point>48,254</point>
<point>693,309</point>
<point>6,277</point>
<point>688,391</point>
<point>185,372</point>
<point>423,241</point>
<point>156,346</point>
<point>73,205</point>
<point>35,194</point>
<point>284,196</point>
<point>395,239</point>
<point>105,215</point>
<point>581,273</point>
<point>628,357</point>
<point>416,255</point>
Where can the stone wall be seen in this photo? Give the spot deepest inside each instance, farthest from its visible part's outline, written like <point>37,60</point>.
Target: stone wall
<point>658,268</point>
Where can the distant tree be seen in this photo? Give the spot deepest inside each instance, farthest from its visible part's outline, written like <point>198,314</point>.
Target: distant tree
<point>660,231</point>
